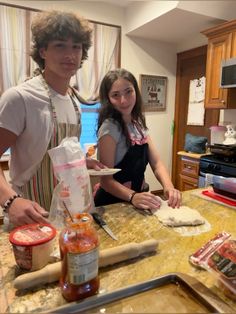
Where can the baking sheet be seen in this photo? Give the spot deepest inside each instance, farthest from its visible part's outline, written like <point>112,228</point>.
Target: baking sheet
<point>172,293</point>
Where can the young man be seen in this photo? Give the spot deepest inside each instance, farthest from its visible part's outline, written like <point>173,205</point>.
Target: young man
<point>37,114</point>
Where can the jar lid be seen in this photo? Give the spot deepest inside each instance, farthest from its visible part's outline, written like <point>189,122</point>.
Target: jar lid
<point>32,234</point>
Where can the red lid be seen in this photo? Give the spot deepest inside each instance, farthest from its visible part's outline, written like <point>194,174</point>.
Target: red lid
<point>32,234</point>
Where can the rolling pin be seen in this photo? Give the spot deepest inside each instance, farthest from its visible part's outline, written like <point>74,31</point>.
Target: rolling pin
<point>51,272</point>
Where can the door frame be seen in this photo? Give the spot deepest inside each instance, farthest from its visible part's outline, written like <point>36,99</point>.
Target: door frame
<point>181,57</point>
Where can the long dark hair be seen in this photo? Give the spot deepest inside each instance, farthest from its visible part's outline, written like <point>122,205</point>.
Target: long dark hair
<point>107,110</point>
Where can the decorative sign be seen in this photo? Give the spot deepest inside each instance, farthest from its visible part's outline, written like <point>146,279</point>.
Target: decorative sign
<point>153,90</point>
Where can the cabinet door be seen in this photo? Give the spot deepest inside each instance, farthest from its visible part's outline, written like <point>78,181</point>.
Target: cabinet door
<point>188,183</point>
<point>233,45</point>
<point>219,48</point>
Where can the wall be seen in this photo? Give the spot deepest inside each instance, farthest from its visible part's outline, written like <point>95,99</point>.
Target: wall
<point>140,56</point>
<point>227,117</point>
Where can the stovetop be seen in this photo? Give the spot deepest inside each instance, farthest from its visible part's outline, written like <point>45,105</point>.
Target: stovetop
<point>228,160</point>
<point>218,165</point>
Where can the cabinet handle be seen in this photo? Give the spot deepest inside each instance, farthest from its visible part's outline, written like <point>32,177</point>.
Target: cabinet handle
<point>189,167</point>
<point>222,101</point>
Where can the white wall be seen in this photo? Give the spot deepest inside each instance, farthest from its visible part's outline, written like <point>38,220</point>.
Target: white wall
<point>140,56</point>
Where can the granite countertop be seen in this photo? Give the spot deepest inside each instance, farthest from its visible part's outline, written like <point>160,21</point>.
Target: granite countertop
<point>173,252</point>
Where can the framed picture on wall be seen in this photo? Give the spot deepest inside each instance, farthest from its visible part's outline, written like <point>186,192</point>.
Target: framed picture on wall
<point>153,90</point>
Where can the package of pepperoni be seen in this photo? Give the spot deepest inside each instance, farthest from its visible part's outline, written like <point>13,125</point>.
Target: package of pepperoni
<point>218,256</point>
<point>200,257</point>
<point>222,263</point>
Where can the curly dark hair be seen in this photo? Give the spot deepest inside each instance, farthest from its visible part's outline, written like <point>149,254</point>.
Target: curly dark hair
<point>107,110</point>
<point>56,25</point>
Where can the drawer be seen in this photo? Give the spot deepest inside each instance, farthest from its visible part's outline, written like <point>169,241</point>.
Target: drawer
<point>190,167</point>
<point>188,183</point>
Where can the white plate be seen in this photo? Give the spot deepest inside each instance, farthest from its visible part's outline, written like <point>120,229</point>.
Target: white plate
<point>103,172</point>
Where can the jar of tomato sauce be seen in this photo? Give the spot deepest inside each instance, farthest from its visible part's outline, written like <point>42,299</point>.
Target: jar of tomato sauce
<point>79,249</point>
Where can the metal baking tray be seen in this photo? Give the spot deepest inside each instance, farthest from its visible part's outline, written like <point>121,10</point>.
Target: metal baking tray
<point>171,293</point>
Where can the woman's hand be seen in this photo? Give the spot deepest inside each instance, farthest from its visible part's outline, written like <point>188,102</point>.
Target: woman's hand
<point>146,200</point>
<point>174,197</point>
<point>94,164</point>
<point>23,211</point>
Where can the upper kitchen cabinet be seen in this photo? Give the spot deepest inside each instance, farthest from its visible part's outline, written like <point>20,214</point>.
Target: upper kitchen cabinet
<point>221,46</point>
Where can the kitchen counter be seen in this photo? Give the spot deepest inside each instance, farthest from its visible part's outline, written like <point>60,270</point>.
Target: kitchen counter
<point>191,155</point>
<point>130,226</point>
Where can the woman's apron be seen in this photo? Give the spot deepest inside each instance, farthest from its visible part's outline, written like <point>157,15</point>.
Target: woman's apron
<point>40,187</point>
<point>133,167</point>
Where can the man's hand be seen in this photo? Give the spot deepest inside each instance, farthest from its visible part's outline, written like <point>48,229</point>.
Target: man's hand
<point>23,211</point>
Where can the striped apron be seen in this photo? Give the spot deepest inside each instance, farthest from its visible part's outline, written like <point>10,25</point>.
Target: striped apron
<point>40,187</point>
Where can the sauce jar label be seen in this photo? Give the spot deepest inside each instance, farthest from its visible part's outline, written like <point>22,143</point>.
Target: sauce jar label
<point>82,267</point>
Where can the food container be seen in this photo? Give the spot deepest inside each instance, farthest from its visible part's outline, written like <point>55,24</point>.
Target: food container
<point>222,264</point>
<point>79,248</point>
<point>217,134</point>
<point>32,245</point>
<point>218,256</point>
<point>224,186</point>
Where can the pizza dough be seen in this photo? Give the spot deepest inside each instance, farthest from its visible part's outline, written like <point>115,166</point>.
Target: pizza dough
<point>176,217</point>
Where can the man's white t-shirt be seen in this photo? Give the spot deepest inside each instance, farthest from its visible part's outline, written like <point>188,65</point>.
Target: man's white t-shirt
<point>25,111</point>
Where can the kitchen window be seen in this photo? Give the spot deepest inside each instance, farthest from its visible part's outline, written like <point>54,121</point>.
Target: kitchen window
<point>89,123</point>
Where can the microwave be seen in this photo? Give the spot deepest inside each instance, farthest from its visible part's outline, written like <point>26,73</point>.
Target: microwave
<point>228,73</point>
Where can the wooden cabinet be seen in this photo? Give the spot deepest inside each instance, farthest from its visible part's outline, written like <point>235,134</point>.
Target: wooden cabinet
<point>221,46</point>
<point>188,183</point>
<point>189,171</point>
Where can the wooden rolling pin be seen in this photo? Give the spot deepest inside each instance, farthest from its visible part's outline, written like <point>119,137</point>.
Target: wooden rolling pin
<point>110,256</point>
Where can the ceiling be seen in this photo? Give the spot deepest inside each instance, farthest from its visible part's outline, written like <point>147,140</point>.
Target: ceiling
<point>175,26</point>
<point>183,22</point>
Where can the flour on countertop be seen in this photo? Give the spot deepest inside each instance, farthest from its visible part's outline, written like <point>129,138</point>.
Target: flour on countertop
<point>184,220</point>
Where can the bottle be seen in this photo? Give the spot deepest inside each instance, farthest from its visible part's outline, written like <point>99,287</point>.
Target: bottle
<point>79,257</point>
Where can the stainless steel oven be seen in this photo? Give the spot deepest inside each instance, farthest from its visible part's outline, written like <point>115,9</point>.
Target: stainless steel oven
<point>216,164</point>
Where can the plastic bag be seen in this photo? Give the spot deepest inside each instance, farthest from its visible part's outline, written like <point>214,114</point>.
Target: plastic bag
<point>218,256</point>
<point>74,189</point>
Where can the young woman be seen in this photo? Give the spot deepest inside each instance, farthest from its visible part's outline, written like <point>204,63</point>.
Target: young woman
<point>37,114</point>
<point>123,142</point>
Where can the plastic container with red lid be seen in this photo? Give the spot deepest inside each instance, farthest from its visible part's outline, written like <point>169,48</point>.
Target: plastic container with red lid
<point>32,245</point>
